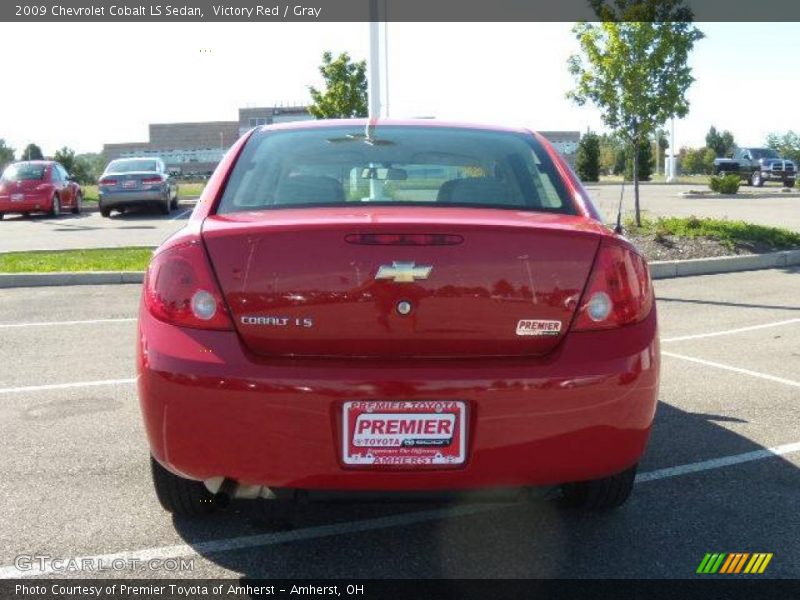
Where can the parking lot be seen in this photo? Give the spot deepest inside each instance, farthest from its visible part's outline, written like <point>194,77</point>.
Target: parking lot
<point>147,228</point>
<point>90,230</point>
<point>720,475</point>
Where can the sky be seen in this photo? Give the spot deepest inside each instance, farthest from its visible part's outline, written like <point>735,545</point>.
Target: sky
<point>105,82</point>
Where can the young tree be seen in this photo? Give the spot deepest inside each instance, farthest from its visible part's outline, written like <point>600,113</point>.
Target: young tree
<point>587,159</point>
<point>345,94</point>
<point>634,67</point>
<point>32,152</point>
<point>6,154</point>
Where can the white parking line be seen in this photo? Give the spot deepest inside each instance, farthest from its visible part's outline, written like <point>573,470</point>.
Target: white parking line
<point>717,463</point>
<point>730,331</point>
<point>710,363</point>
<point>312,533</point>
<point>59,323</point>
<point>178,216</point>
<point>64,386</point>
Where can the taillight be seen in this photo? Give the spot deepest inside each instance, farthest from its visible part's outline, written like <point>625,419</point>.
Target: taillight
<point>107,182</point>
<point>619,291</point>
<point>180,289</point>
<point>152,181</point>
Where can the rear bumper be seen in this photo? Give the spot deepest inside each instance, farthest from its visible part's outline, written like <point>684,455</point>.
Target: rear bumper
<point>30,203</point>
<point>211,409</point>
<point>112,199</point>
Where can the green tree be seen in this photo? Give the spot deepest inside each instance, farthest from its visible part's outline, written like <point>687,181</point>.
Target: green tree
<point>6,154</point>
<point>633,66</point>
<point>345,93</point>
<point>65,156</point>
<point>32,152</point>
<point>721,143</point>
<point>786,144</point>
<point>693,160</point>
<point>707,160</point>
<point>645,160</point>
<point>608,154</point>
<point>587,159</point>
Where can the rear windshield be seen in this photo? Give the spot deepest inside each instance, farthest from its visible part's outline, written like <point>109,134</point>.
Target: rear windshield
<point>394,165</point>
<point>24,172</point>
<point>131,166</point>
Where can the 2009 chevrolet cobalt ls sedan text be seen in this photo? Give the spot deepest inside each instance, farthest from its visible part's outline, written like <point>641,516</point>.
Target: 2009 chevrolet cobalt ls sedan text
<point>395,306</point>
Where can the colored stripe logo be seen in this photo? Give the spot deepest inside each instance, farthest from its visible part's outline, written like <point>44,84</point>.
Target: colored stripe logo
<point>732,563</point>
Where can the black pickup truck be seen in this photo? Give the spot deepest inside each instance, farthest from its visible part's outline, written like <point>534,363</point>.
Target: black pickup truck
<point>757,165</point>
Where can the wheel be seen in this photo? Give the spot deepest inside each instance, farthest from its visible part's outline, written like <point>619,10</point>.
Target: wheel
<point>600,494</point>
<point>105,211</point>
<point>184,497</point>
<point>755,179</point>
<point>789,183</point>
<point>78,207</point>
<point>174,203</point>
<point>165,206</point>
<point>1,216</point>
<point>55,210</point>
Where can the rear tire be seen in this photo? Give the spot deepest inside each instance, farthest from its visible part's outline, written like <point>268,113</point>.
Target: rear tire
<point>789,183</point>
<point>600,494</point>
<point>165,206</point>
<point>106,212</point>
<point>55,209</point>
<point>183,497</point>
<point>1,216</point>
<point>78,207</point>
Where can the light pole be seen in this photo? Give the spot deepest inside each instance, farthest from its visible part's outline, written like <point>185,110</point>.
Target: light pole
<point>672,153</point>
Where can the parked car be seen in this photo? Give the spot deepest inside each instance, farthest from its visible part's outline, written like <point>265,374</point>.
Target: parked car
<point>757,165</point>
<point>400,306</point>
<point>38,186</point>
<point>130,182</point>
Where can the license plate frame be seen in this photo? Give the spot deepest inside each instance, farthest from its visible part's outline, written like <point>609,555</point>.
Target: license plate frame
<point>129,184</point>
<point>404,433</point>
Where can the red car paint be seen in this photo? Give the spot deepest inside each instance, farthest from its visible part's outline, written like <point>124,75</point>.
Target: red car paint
<point>265,405</point>
<point>38,195</point>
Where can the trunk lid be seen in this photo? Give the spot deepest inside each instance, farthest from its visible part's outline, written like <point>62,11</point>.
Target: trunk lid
<point>323,282</point>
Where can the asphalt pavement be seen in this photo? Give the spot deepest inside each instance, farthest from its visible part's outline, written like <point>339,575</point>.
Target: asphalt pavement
<point>147,228</point>
<point>720,474</point>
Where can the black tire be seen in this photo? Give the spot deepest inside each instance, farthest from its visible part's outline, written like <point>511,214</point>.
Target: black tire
<point>174,203</point>
<point>106,212</point>
<point>1,216</point>
<point>756,180</point>
<point>600,494</point>
<point>55,211</point>
<point>184,497</point>
<point>165,206</point>
<point>789,183</point>
<point>78,207</point>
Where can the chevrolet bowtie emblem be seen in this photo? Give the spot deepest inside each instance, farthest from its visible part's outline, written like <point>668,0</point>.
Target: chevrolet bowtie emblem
<point>403,272</point>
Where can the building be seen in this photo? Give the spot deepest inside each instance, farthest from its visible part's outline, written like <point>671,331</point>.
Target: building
<point>198,147</point>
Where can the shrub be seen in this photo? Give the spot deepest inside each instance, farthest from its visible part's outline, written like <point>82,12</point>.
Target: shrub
<point>727,184</point>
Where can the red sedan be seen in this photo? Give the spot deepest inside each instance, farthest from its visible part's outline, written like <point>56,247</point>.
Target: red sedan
<point>395,306</point>
<point>38,186</point>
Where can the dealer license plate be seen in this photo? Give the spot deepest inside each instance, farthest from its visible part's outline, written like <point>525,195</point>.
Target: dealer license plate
<point>408,434</point>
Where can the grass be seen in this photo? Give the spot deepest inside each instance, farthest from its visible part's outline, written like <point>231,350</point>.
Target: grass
<point>185,190</point>
<point>730,233</point>
<point>100,259</point>
<point>683,179</point>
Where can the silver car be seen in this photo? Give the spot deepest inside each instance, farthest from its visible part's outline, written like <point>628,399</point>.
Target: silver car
<point>129,182</point>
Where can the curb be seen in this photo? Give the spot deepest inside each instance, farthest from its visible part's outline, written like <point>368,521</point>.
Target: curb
<point>666,269</point>
<point>724,264</point>
<point>741,195</point>
<point>15,280</point>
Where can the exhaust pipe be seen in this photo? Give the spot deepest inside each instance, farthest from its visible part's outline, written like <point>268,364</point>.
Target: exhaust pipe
<point>226,491</point>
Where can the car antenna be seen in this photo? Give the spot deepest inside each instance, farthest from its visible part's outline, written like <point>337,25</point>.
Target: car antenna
<point>618,226</point>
